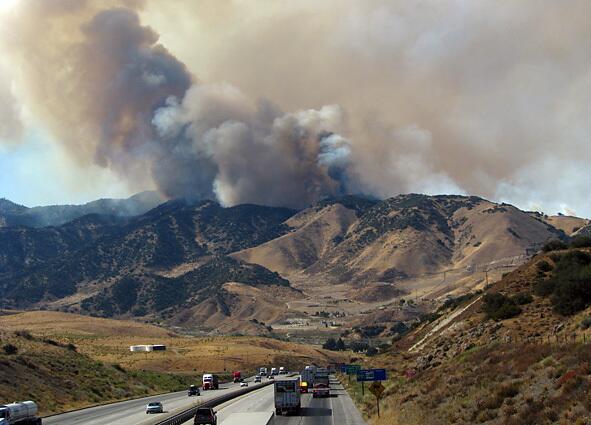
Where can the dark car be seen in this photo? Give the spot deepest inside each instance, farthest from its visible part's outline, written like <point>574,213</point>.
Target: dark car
<point>205,416</point>
<point>193,390</point>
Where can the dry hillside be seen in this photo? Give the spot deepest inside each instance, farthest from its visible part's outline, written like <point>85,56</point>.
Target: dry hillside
<point>516,354</point>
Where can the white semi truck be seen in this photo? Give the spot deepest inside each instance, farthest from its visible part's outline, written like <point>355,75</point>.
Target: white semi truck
<point>22,413</point>
<point>287,396</point>
<point>263,371</point>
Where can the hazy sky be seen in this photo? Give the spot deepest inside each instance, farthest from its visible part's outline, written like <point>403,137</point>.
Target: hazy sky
<point>284,103</point>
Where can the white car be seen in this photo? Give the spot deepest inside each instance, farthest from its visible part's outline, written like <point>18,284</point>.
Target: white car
<point>154,407</point>
<point>244,384</point>
<point>257,379</point>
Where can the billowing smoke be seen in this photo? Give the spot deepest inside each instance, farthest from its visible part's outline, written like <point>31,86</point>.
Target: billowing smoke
<point>124,102</point>
<point>437,96</point>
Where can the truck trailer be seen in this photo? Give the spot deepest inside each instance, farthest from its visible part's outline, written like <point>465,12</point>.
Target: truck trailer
<point>22,413</point>
<point>237,376</point>
<point>287,397</point>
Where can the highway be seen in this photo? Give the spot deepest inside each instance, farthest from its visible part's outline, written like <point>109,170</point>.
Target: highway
<point>336,410</point>
<point>133,412</point>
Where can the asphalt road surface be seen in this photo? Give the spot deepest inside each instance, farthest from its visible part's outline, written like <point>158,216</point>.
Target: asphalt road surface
<point>133,412</point>
<point>336,410</point>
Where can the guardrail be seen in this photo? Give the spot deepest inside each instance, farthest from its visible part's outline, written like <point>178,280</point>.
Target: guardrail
<point>188,414</point>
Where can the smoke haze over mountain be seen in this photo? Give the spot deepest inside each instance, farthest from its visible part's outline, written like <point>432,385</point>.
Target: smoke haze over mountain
<point>287,103</point>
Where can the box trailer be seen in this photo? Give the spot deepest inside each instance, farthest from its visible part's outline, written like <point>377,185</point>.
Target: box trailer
<point>287,396</point>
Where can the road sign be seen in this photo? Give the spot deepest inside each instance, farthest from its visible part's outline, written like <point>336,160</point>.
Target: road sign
<point>352,369</point>
<point>377,389</point>
<point>366,375</point>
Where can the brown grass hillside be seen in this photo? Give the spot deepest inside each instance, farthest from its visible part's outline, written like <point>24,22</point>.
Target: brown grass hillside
<point>108,341</point>
<point>59,378</point>
<point>532,368</point>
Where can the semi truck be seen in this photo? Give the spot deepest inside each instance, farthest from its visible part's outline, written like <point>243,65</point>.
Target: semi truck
<point>282,371</point>
<point>273,371</point>
<point>250,418</point>
<point>22,413</point>
<point>210,382</point>
<point>321,386</point>
<point>263,371</point>
<point>237,376</point>
<point>287,397</point>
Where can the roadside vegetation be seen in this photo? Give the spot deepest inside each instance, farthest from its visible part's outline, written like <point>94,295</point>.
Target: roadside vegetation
<point>59,378</point>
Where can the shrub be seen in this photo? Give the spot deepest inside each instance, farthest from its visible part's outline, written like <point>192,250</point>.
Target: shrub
<point>522,298</point>
<point>585,323</point>
<point>330,344</point>
<point>544,266</point>
<point>581,242</point>
<point>570,283</point>
<point>24,334</point>
<point>371,351</point>
<point>554,245</point>
<point>499,307</point>
<point>10,349</point>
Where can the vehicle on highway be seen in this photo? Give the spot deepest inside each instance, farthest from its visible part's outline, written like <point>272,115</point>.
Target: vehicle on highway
<point>237,376</point>
<point>193,390</point>
<point>205,416</point>
<point>154,407</point>
<point>263,371</point>
<point>210,382</point>
<point>274,371</point>
<point>287,397</point>
<point>257,379</point>
<point>271,377</point>
<point>244,384</point>
<point>282,371</point>
<point>321,386</point>
<point>19,413</point>
<point>303,387</point>
<point>306,377</point>
<point>250,418</point>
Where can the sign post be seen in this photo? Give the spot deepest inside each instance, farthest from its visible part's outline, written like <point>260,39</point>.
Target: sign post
<point>375,376</point>
<point>377,389</point>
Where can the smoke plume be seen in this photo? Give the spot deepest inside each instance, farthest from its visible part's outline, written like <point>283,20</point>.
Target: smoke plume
<point>436,97</point>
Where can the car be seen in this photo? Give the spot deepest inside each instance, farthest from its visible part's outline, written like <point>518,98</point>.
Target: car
<point>205,416</point>
<point>154,407</point>
<point>271,377</point>
<point>193,390</point>
<point>244,384</point>
<point>257,378</point>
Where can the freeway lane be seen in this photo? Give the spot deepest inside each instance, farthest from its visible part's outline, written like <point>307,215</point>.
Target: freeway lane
<point>133,412</point>
<point>336,410</point>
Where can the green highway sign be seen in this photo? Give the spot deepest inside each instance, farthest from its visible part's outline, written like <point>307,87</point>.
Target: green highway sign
<point>352,369</point>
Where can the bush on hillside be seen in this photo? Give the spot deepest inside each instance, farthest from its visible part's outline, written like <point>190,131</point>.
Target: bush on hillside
<point>522,298</point>
<point>569,287</point>
<point>500,307</point>
<point>581,242</point>
<point>544,266</point>
<point>10,349</point>
<point>585,323</point>
<point>554,245</point>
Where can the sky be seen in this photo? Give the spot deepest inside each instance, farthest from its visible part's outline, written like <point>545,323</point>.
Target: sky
<point>285,103</point>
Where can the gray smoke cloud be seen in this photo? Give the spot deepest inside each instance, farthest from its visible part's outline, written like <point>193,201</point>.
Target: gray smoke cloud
<point>10,121</point>
<point>436,97</point>
<point>124,102</point>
